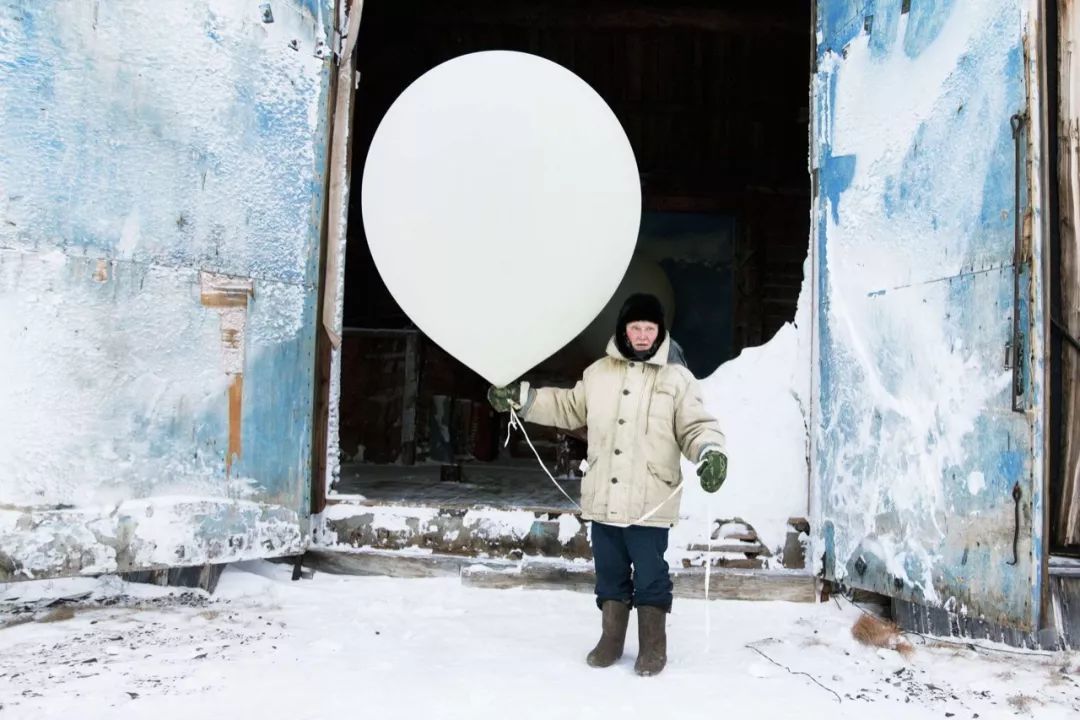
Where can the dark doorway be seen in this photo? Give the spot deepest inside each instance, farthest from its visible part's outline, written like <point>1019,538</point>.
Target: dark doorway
<point>714,98</point>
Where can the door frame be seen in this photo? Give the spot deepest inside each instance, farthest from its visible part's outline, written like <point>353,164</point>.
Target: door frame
<point>325,445</point>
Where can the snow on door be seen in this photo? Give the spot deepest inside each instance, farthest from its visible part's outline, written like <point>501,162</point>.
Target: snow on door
<point>161,191</point>
<point>926,475</point>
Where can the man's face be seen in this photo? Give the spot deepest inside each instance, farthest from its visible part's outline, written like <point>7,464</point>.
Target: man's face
<point>642,335</point>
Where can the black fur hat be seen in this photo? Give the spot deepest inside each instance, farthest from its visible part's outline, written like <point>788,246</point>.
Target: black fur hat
<point>638,308</point>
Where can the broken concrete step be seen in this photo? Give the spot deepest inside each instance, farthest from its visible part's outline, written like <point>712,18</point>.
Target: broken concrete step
<point>476,532</point>
<point>516,534</point>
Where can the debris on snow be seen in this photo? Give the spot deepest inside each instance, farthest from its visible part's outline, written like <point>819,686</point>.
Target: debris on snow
<point>878,632</point>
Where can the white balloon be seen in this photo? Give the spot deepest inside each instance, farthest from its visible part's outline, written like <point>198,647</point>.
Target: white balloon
<point>501,202</point>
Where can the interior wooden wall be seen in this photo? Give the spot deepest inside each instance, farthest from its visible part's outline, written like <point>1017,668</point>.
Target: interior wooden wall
<point>713,97</point>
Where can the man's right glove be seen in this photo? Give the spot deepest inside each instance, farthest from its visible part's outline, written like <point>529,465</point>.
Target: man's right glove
<point>514,396</point>
<point>713,470</point>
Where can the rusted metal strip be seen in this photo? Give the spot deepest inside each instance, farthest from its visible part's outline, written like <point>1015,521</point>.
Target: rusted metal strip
<point>236,407</point>
<point>1016,495</point>
<point>1018,121</point>
<point>229,296</point>
<point>222,291</point>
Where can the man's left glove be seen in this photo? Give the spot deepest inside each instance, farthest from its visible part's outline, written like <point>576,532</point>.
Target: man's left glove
<point>514,396</point>
<point>713,470</point>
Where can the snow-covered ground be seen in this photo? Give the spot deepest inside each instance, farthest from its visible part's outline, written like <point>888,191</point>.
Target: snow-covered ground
<point>266,647</point>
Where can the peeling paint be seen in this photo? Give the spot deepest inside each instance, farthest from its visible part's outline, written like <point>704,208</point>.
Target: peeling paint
<point>915,445</point>
<point>224,291</point>
<point>230,296</point>
<point>159,162</point>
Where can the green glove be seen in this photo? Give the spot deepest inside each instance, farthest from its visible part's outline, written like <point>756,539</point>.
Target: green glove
<point>505,398</point>
<point>712,471</point>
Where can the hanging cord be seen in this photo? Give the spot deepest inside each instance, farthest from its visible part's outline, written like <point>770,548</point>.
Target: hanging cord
<point>708,572</point>
<point>516,422</point>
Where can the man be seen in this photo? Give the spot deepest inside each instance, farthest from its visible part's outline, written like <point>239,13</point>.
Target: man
<point>641,412</point>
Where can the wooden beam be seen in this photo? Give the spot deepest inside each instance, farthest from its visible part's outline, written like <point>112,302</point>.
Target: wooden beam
<point>724,584</point>
<point>409,395</point>
<point>333,236</point>
<point>390,563</point>
<point>743,17</point>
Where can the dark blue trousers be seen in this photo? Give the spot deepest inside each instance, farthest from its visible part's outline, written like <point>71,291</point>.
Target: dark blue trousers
<point>630,565</point>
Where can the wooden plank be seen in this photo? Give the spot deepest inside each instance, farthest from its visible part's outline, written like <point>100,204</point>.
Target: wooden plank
<point>331,255</point>
<point>204,577</point>
<point>746,585</point>
<point>532,577</point>
<point>1065,599</point>
<point>393,564</point>
<point>1067,525</point>
<point>380,332</point>
<point>1064,566</point>
<point>719,547</point>
<point>577,577</point>
<point>689,583</point>
<point>410,392</point>
<point>913,617</point>
<point>759,17</point>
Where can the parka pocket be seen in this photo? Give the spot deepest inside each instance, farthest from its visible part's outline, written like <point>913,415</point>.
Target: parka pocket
<point>588,482</point>
<point>661,415</point>
<point>664,474</point>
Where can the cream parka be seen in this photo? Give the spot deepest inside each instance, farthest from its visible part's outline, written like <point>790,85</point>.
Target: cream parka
<point>640,417</point>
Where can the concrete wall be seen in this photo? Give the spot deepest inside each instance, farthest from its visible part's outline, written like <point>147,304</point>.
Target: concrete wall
<point>161,193</point>
<point>916,447</point>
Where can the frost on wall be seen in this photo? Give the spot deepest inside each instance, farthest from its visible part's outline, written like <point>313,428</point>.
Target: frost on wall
<point>160,204</point>
<point>916,447</point>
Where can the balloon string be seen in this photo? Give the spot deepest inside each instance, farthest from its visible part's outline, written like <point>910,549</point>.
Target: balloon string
<point>516,422</point>
<point>708,573</point>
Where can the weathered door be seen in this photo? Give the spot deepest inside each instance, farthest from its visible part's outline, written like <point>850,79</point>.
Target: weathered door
<point>926,477</point>
<point>161,193</point>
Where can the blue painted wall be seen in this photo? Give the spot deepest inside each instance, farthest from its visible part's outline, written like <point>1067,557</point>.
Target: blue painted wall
<point>161,193</point>
<point>916,449</point>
